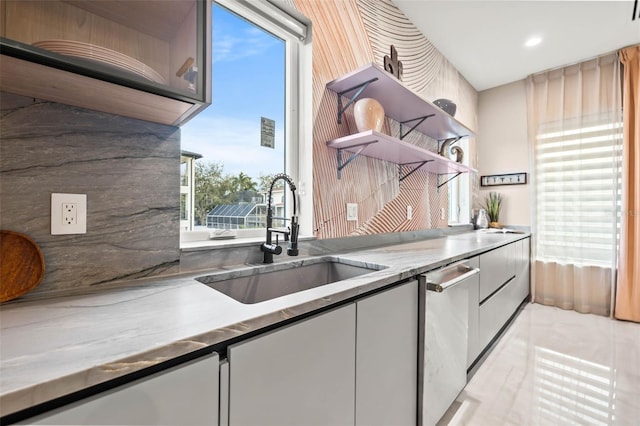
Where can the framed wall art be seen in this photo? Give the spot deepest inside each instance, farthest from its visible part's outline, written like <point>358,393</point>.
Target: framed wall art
<point>504,179</point>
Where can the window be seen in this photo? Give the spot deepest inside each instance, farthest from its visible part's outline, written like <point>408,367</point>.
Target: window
<point>459,192</point>
<point>187,189</point>
<point>578,192</point>
<point>254,127</point>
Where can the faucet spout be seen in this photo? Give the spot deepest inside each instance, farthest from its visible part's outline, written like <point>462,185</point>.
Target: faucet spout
<point>290,234</point>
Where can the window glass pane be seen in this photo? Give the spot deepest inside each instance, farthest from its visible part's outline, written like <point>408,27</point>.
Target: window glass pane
<point>459,191</point>
<point>241,135</point>
<point>183,207</point>
<point>184,168</point>
<point>578,186</point>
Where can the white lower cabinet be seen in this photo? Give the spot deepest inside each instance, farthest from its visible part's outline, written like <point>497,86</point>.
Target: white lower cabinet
<point>496,310</point>
<point>183,395</point>
<point>387,357</point>
<point>302,374</point>
<point>357,365</point>
<point>504,284</point>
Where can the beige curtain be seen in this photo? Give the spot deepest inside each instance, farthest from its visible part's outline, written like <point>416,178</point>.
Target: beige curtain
<point>628,290</point>
<point>575,135</point>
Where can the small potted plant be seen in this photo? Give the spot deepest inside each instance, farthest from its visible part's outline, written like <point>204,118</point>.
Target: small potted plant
<point>492,204</point>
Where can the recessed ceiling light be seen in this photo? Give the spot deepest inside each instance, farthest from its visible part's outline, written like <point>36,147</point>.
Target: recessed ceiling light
<point>533,41</point>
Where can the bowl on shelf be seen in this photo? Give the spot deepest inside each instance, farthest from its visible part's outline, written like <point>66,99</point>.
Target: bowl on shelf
<point>446,105</point>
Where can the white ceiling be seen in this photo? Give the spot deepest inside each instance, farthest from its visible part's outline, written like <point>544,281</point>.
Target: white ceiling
<point>485,40</point>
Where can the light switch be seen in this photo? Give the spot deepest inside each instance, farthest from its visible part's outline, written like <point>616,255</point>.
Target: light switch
<point>352,212</point>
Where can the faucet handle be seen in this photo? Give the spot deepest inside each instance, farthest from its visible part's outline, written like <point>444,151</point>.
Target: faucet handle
<point>271,248</point>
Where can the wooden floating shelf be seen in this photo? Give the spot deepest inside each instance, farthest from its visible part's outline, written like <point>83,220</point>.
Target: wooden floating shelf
<point>388,148</point>
<point>400,103</point>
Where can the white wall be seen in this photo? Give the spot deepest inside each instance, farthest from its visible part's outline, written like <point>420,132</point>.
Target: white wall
<point>503,148</point>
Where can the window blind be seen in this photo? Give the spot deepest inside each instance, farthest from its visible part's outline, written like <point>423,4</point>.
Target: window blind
<point>578,185</point>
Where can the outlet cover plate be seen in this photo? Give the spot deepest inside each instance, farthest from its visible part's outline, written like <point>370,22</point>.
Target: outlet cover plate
<point>58,224</point>
<point>352,212</point>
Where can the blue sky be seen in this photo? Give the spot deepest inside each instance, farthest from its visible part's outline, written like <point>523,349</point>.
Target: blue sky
<point>248,83</point>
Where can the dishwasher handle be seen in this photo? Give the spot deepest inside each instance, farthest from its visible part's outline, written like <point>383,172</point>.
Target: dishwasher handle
<point>447,277</point>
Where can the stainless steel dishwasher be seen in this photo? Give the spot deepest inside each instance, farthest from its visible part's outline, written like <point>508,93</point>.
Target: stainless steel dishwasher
<point>442,350</point>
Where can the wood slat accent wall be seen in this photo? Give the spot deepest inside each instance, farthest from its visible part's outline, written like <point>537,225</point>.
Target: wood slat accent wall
<point>348,34</point>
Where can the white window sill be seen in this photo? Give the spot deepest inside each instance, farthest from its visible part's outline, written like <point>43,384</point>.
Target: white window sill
<point>199,240</point>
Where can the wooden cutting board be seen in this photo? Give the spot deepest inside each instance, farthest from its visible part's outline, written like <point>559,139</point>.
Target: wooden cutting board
<point>21,265</point>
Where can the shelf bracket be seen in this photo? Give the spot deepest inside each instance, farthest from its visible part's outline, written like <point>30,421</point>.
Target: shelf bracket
<point>448,180</point>
<point>360,88</point>
<point>419,164</point>
<point>420,120</point>
<point>352,157</point>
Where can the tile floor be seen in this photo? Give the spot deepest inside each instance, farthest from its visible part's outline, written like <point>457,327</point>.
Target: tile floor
<point>556,367</point>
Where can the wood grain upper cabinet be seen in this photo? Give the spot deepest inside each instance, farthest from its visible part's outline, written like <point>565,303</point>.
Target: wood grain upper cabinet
<point>146,59</point>
<point>301,374</point>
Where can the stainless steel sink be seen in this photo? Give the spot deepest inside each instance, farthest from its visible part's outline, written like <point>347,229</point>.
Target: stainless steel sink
<point>254,285</point>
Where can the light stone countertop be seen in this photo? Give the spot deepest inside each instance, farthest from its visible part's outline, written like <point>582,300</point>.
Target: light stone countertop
<point>53,347</point>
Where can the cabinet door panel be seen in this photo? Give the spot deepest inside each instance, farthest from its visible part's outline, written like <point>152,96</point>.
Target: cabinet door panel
<point>522,275</point>
<point>183,395</point>
<point>302,374</point>
<point>224,393</point>
<point>496,267</point>
<point>387,357</point>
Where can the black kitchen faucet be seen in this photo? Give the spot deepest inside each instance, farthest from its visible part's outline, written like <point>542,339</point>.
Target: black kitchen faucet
<point>290,234</point>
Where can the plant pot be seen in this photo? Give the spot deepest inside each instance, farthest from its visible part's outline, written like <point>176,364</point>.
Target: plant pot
<point>495,225</point>
<point>368,114</point>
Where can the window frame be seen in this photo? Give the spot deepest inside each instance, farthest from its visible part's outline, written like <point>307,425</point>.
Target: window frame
<point>459,193</point>
<point>295,30</point>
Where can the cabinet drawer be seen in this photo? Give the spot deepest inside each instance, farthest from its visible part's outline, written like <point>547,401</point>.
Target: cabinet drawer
<point>496,310</point>
<point>496,268</point>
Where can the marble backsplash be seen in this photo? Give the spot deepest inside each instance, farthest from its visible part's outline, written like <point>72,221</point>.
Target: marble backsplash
<point>129,170</point>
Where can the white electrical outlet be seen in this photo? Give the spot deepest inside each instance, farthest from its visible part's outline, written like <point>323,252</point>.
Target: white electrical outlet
<point>443,214</point>
<point>68,214</point>
<point>352,212</point>
<point>409,212</point>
